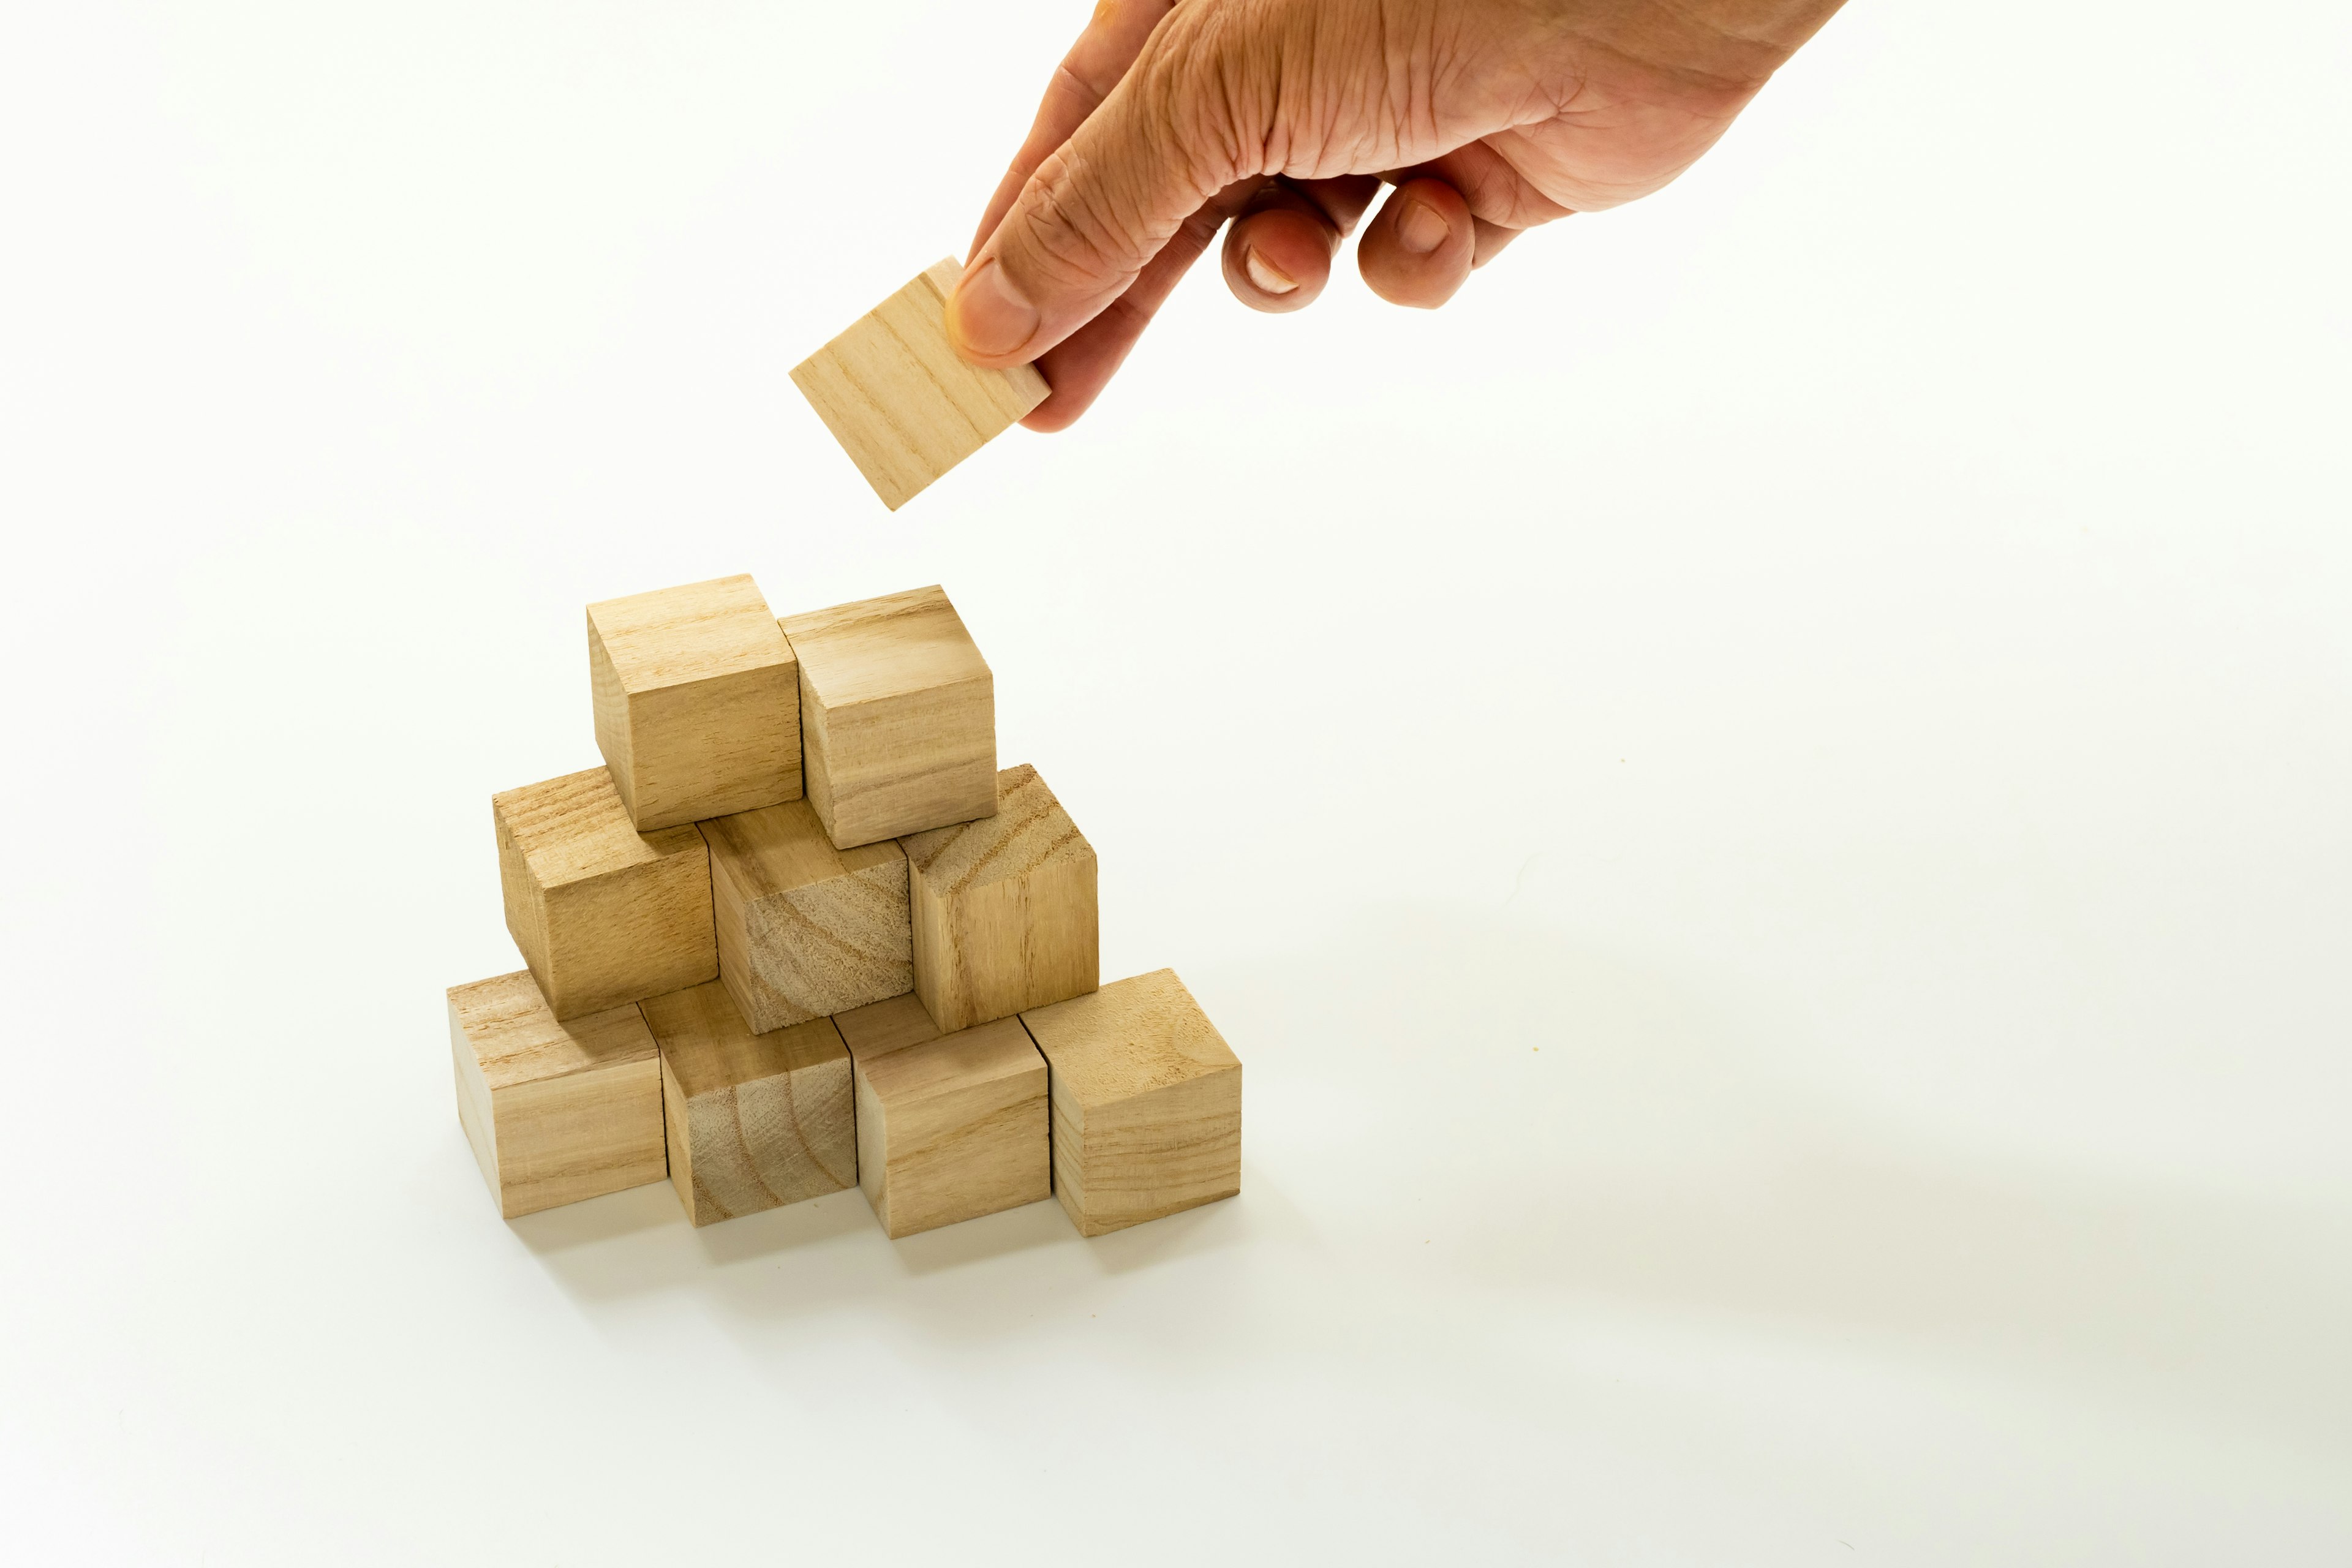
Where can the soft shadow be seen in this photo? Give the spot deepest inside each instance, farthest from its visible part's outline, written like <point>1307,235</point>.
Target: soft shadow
<point>1583,1128</point>
<point>599,1221</point>
<point>1041,1224</point>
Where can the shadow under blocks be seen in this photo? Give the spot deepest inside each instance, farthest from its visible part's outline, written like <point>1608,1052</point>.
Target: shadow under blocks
<point>800,934</point>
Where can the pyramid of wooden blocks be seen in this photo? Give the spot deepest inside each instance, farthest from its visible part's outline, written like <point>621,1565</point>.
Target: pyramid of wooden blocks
<point>950,1127</point>
<point>557,1110</point>
<point>1003,908</point>
<point>755,1121</point>
<point>898,717</point>
<point>902,403</point>
<point>805,930</point>
<point>767,995</point>
<point>697,702</point>
<point>1147,1103</point>
<point>603,913</point>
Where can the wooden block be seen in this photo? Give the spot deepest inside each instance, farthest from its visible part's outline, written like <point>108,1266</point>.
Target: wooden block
<point>755,1121</point>
<point>898,716</point>
<point>604,914</point>
<point>697,702</point>
<point>556,1111</point>
<point>1147,1103</point>
<point>1003,908</point>
<point>948,1127</point>
<point>805,930</point>
<point>899,399</point>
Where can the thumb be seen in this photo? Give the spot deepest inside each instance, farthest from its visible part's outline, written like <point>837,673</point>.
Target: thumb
<point>1100,206</point>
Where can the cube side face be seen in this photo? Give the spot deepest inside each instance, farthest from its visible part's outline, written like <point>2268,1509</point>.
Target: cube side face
<point>475,1110</point>
<point>678,1141</point>
<point>816,755</point>
<point>797,1135</point>
<point>873,1143</point>
<point>829,947</point>
<point>904,764</point>
<point>714,747</point>
<point>1171,1148</point>
<point>609,701</point>
<point>563,1139</point>
<point>1006,947</point>
<point>525,900</point>
<point>643,931</point>
<point>969,1151</point>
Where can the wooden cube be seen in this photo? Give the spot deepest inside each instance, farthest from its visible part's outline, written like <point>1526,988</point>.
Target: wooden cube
<point>603,913</point>
<point>557,1110</point>
<point>948,1127</point>
<point>755,1121</point>
<point>898,717</point>
<point>1147,1103</point>
<point>697,702</point>
<point>902,403</point>
<point>805,930</point>
<point>1003,908</point>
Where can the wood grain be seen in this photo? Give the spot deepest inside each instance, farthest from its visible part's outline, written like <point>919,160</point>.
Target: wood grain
<point>805,930</point>
<point>1147,1101</point>
<point>754,1120</point>
<point>948,1127</point>
<point>556,1111</point>
<point>1003,908</point>
<point>902,403</point>
<point>898,716</point>
<point>603,913</point>
<point>696,700</point>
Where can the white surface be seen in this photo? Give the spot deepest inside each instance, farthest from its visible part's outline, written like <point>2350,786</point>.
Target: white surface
<point>1764,799</point>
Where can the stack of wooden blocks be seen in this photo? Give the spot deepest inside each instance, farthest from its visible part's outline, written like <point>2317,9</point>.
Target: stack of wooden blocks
<point>800,933</point>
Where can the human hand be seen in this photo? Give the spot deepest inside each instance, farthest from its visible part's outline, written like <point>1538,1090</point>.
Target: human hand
<point>1488,116</point>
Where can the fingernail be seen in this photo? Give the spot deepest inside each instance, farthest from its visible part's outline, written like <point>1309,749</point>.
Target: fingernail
<point>1422,228</point>
<point>1269,278</point>
<point>988,316</point>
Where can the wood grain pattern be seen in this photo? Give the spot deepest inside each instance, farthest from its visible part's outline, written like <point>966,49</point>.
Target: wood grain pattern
<point>898,716</point>
<point>556,1111</point>
<point>603,913</point>
<point>696,700</point>
<point>1147,1103</point>
<point>754,1121</point>
<point>1003,908</point>
<point>948,1127</point>
<point>805,930</point>
<point>899,399</point>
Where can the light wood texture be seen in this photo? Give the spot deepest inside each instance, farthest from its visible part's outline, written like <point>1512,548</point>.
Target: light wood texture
<point>805,930</point>
<point>556,1111</point>
<point>603,913</point>
<point>898,716</point>
<point>899,399</point>
<point>948,1127</point>
<point>697,702</point>
<point>1003,908</point>
<point>755,1121</point>
<point>1147,1103</point>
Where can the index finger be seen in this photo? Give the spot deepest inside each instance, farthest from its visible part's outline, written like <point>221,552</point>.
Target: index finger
<point>1114,35</point>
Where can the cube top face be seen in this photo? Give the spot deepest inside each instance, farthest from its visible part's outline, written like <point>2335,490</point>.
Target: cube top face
<point>673,637</point>
<point>517,1040</point>
<point>902,403</point>
<point>875,649</point>
<point>575,828</point>
<point>1029,833</point>
<point>885,1026</point>
<point>779,848</point>
<point>951,1064</point>
<point>1132,1037</point>
<point>709,1048</point>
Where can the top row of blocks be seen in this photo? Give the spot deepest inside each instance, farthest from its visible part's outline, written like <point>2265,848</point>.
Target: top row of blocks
<point>882,712</point>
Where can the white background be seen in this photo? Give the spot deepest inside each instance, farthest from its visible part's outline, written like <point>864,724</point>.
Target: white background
<point>1764,797</point>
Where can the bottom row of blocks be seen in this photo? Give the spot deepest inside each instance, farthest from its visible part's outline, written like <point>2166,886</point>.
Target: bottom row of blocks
<point>1125,1103</point>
